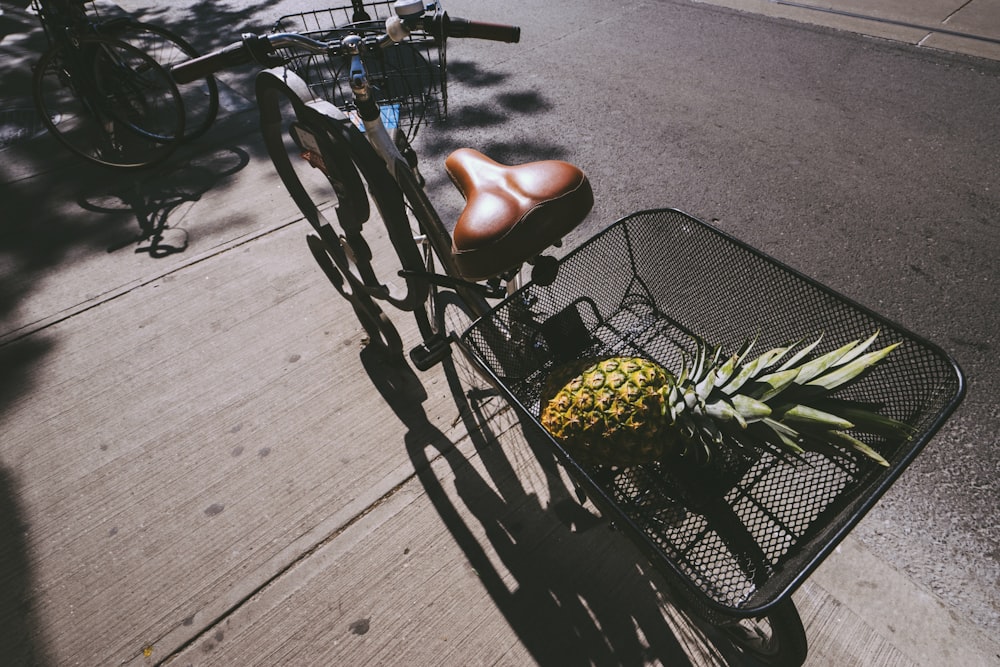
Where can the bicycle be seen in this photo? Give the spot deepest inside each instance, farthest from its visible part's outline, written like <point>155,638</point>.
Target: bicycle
<point>69,82</point>
<point>343,92</point>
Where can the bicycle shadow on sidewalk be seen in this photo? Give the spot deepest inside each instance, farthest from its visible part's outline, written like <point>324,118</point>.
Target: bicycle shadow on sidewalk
<point>153,198</point>
<point>580,595</point>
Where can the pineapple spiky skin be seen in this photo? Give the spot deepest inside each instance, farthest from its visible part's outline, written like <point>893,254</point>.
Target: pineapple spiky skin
<point>611,411</point>
<point>626,411</point>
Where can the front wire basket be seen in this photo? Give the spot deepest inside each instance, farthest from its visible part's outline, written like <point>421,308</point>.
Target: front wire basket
<point>409,78</point>
<point>740,537</point>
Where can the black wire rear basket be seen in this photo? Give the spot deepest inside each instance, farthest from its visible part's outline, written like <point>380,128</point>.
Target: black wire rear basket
<point>739,537</point>
<point>409,78</point>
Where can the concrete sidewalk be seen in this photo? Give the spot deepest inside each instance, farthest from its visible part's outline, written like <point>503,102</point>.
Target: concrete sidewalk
<point>971,27</point>
<point>200,464</point>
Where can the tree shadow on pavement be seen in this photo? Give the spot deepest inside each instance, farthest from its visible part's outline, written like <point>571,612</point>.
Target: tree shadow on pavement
<point>581,595</point>
<point>21,641</point>
<point>42,228</point>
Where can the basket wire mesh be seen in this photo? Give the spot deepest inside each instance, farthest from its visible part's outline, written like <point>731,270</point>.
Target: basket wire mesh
<point>740,536</point>
<point>409,78</point>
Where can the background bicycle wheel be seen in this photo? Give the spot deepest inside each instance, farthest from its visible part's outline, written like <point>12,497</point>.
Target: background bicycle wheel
<point>200,97</point>
<point>134,117</point>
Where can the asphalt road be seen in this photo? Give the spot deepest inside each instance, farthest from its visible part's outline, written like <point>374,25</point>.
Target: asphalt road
<point>868,165</point>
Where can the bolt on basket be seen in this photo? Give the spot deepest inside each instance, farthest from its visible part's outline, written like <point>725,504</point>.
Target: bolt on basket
<point>409,78</point>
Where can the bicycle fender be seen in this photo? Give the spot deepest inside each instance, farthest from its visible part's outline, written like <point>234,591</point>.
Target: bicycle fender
<point>349,162</point>
<point>330,126</point>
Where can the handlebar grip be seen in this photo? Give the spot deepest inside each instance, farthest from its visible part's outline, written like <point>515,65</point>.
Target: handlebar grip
<point>496,32</point>
<point>236,53</point>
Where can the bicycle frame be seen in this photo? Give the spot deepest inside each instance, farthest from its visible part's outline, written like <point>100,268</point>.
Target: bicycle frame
<point>434,230</point>
<point>58,17</point>
<point>328,139</point>
<point>62,22</point>
<point>65,22</point>
<point>320,123</point>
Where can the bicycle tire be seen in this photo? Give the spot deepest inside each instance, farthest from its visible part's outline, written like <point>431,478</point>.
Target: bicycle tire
<point>108,102</point>
<point>777,639</point>
<point>200,97</point>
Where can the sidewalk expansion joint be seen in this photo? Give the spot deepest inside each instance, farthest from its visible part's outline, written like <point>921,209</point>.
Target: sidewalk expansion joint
<point>19,333</point>
<point>211,624</point>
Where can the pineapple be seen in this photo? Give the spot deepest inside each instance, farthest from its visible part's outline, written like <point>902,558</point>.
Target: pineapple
<point>625,411</point>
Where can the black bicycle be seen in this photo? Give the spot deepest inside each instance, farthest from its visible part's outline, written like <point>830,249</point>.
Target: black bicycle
<point>344,90</point>
<point>103,90</point>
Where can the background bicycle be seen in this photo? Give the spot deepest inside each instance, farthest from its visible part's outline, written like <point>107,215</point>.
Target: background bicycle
<point>71,108</point>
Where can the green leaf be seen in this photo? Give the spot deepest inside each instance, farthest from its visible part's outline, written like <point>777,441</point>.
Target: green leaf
<point>725,372</point>
<point>848,439</point>
<point>853,354</point>
<point>724,412</point>
<point>746,372</point>
<point>873,422</point>
<point>771,357</point>
<point>710,429</point>
<point>750,408</point>
<point>682,378</point>
<point>787,435</point>
<point>848,372</point>
<point>803,414</point>
<point>704,388</point>
<point>699,361</point>
<point>716,353</point>
<point>798,356</point>
<point>820,365</point>
<point>745,349</point>
<point>775,355</point>
<point>774,383</point>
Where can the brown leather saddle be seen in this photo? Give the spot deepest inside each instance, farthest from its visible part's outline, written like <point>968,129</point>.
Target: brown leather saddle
<point>513,213</point>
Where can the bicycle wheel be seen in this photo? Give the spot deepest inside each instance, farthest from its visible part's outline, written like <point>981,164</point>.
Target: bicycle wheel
<point>775,640</point>
<point>201,98</point>
<point>108,102</point>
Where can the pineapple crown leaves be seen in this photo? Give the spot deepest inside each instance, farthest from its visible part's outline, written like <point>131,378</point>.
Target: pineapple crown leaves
<point>791,400</point>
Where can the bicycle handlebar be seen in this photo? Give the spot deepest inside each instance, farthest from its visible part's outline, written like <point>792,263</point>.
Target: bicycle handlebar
<point>261,48</point>
<point>497,32</point>
<point>237,53</point>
